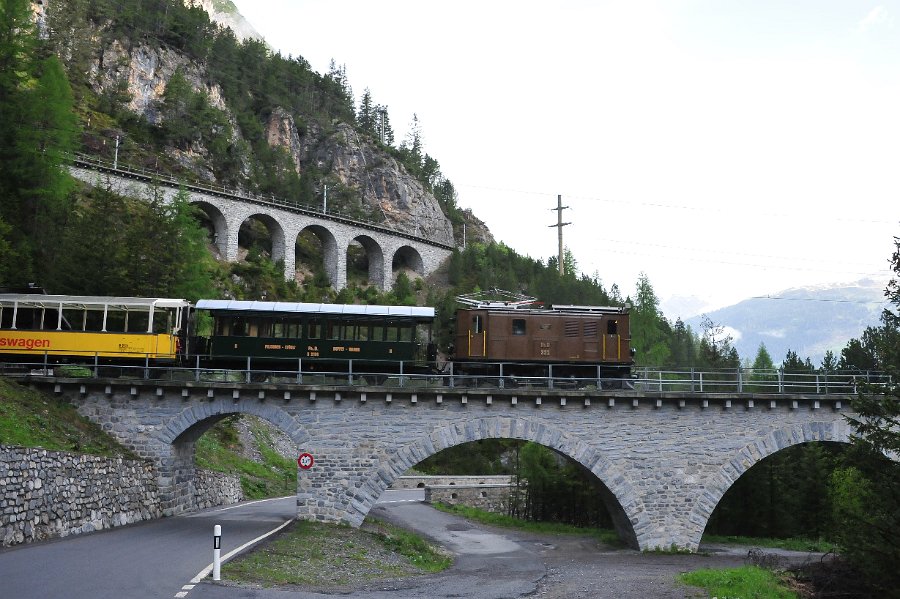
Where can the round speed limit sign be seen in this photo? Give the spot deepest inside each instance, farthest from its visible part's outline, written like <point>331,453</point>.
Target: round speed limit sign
<point>305,461</point>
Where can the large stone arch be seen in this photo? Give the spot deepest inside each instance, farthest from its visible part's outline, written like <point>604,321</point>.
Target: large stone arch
<point>621,499</point>
<point>219,223</point>
<point>330,257</point>
<point>409,257</point>
<point>739,462</point>
<point>179,434</point>
<point>375,254</point>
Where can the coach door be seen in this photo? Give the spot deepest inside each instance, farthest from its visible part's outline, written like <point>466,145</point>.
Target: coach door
<point>477,342</point>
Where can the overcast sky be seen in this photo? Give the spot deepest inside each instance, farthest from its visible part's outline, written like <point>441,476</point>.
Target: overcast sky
<point>726,148</point>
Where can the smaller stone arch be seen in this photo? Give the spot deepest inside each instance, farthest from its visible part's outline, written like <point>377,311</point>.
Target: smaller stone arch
<point>714,488</point>
<point>330,258</point>
<point>407,257</point>
<point>375,255</point>
<point>218,223</point>
<point>276,231</point>
<point>621,499</point>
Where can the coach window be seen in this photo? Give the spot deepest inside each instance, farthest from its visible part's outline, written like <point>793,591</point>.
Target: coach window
<point>362,333</point>
<point>377,332</point>
<point>612,327</point>
<point>390,333</point>
<point>115,321</point>
<point>477,324</point>
<point>263,328</point>
<point>93,320</point>
<point>238,327</point>
<point>314,329</point>
<point>334,330</point>
<point>6,314</point>
<point>406,333</point>
<point>138,322</point>
<point>518,326</point>
<point>293,328</point>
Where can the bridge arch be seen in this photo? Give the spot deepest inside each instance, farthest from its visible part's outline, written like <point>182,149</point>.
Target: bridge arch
<point>622,501</point>
<point>218,223</point>
<point>178,437</point>
<point>375,255</point>
<point>276,233</point>
<point>739,462</point>
<point>330,258</point>
<point>407,256</point>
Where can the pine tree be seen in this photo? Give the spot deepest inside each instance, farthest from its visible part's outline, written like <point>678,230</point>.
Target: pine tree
<point>366,116</point>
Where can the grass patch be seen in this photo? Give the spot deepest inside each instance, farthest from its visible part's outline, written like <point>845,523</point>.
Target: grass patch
<point>744,582</point>
<point>220,449</point>
<point>606,536</point>
<point>794,544</point>
<point>325,556</point>
<point>31,419</point>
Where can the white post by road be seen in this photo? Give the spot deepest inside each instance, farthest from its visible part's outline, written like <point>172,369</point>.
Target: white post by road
<point>217,552</point>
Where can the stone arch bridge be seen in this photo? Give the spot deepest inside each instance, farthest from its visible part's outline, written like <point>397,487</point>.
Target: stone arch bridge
<point>384,247</point>
<point>664,459</point>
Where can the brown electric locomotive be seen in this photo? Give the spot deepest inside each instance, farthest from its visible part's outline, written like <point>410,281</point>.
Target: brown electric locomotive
<point>578,342</point>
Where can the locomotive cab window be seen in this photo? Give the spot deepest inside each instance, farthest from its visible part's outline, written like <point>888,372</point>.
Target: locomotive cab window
<point>477,324</point>
<point>612,327</point>
<point>518,326</point>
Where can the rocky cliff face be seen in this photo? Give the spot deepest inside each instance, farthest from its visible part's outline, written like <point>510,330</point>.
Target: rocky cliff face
<point>226,14</point>
<point>342,159</point>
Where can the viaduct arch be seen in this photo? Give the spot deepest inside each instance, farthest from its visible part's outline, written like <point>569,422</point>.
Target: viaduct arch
<point>226,212</point>
<point>664,459</point>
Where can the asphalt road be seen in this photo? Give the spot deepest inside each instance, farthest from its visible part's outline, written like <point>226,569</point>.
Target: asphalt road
<point>157,559</point>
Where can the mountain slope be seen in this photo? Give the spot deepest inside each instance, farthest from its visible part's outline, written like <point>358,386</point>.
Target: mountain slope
<point>809,321</point>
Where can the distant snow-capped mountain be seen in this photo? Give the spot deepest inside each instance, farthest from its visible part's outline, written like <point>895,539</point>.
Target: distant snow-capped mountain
<point>807,320</point>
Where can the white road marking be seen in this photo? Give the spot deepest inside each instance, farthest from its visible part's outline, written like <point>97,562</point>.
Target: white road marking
<point>237,505</point>
<point>205,571</point>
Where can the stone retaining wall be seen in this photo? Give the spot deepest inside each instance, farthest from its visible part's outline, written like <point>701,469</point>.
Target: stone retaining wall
<point>490,498</point>
<point>212,489</point>
<point>422,481</point>
<point>46,494</point>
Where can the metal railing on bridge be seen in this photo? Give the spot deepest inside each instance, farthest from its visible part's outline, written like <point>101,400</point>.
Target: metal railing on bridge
<point>412,375</point>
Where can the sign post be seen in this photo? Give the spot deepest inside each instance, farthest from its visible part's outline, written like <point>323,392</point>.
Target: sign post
<point>217,552</point>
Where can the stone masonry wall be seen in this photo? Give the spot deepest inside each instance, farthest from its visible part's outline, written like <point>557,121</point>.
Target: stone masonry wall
<point>422,481</point>
<point>212,489</point>
<point>45,494</point>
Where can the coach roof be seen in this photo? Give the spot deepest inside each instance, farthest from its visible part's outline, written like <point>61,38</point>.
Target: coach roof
<point>307,308</point>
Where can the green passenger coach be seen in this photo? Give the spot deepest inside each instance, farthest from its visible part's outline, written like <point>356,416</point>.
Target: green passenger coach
<point>272,332</point>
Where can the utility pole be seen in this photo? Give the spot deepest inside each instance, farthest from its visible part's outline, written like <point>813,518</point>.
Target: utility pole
<point>325,201</point>
<point>116,155</point>
<point>559,225</point>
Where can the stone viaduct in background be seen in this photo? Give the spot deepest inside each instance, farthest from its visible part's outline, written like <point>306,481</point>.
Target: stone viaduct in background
<point>384,247</point>
<point>664,459</point>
